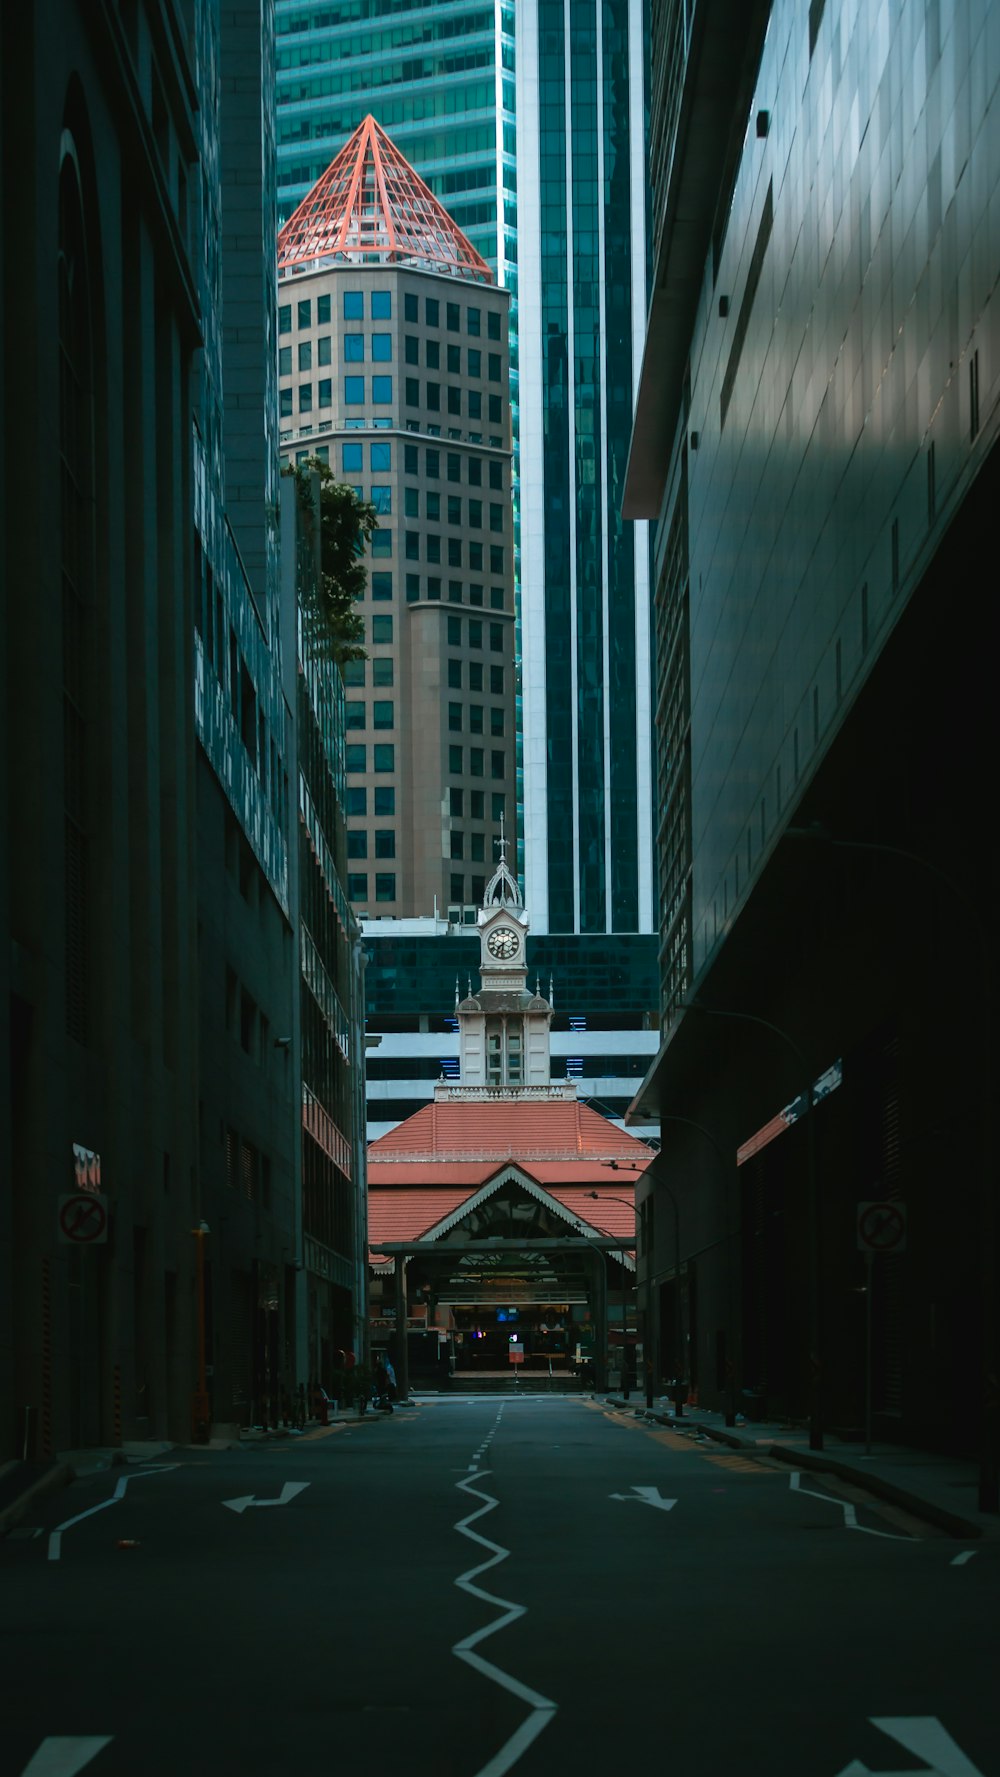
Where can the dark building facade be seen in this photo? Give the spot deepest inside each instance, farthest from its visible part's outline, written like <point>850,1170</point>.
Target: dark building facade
<point>816,435</point>
<point>150,1103</point>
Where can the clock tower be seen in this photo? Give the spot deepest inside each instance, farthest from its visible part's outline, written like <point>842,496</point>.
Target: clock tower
<point>504,1028</point>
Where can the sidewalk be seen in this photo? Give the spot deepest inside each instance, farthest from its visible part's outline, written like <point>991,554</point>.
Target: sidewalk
<point>941,1489</point>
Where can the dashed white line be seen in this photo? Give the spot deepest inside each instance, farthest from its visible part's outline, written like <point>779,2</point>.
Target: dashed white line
<point>542,1708</point>
<point>55,1539</point>
<point>850,1515</point>
<point>62,1755</point>
<point>960,1560</point>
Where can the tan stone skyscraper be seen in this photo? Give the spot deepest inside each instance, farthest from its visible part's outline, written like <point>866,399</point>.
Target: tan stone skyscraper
<point>394,368</point>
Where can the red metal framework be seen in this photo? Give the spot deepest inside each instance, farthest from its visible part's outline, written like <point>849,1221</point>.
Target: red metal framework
<point>371,206</point>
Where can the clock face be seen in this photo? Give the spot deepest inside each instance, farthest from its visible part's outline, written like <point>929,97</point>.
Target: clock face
<point>502,943</point>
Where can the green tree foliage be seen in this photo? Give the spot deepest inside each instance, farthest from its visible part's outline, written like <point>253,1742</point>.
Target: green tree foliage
<point>346,526</point>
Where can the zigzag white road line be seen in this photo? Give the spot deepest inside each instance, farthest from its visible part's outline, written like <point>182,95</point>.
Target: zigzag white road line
<point>542,1708</point>
<point>850,1515</point>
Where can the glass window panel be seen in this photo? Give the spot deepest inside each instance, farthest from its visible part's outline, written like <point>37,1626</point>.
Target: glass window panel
<point>381,305</point>
<point>381,390</point>
<point>382,348</point>
<point>305,314</point>
<point>354,348</point>
<point>380,456</point>
<point>385,799</point>
<point>352,457</point>
<point>354,391</point>
<point>354,305</point>
<point>323,315</point>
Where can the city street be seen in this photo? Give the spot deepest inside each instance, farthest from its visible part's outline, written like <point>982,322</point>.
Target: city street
<point>316,1606</point>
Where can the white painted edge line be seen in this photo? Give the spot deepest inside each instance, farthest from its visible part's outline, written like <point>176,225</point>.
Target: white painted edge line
<point>62,1755</point>
<point>960,1560</point>
<point>55,1538</point>
<point>850,1515</point>
<point>542,1708</point>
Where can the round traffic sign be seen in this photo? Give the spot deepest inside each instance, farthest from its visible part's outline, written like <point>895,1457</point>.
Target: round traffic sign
<point>83,1218</point>
<point>881,1227</point>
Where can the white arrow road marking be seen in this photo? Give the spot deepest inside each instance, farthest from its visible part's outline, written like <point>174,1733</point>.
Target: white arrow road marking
<point>288,1491</point>
<point>542,1708</point>
<point>960,1560</point>
<point>55,1539</point>
<point>924,1736</point>
<point>850,1520</point>
<point>64,1754</point>
<point>647,1496</point>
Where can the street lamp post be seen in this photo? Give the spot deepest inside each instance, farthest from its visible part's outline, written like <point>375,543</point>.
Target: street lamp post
<point>989,1459</point>
<point>200,1407</point>
<point>813,1214</point>
<point>678,1317</point>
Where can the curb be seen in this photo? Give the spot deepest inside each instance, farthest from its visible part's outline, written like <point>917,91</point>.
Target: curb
<point>60,1474</point>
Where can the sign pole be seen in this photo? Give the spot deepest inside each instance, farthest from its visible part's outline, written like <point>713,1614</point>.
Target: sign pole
<point>869,1274</point>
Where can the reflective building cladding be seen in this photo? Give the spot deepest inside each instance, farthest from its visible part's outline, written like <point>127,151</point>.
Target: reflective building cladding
<point>528,124</point>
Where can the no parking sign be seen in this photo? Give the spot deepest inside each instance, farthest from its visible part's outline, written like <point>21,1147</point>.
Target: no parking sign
<point>881,1227</point>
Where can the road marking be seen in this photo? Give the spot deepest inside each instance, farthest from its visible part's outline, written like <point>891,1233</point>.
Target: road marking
<point>56,1536</point>
<point>542,1708</point>
<point>960,1560</point>
<point>850,1521</point>
<point>288,1491</point>
<point>647,1496</point>
<point>61,1755</point>
<point>924,1736</point>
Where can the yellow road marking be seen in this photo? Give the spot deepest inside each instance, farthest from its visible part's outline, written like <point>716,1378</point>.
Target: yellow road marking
<point>735,1461</point>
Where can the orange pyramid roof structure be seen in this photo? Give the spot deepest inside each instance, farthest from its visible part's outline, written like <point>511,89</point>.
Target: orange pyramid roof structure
<point>371,207</point>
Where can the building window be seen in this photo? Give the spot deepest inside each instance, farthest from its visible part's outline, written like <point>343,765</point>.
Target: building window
<point>385,885</point>
<point>381,390</point>
<point>411,545</point>
<point>353,672</point>
<point>455,718</point>
<point>305,314</point>
<point>351,457</point>
<point>381,544</point>
<point>496,475</point>
<point>385,799</point>
<point>323,311</point>
<point>411,309</point>
<point>285,318</point>
<point>476,718</point>
<point>411,460</point>
<point>354,305</point>
<point>381,630</point>
<point>382,671</point>
<point>383,714</point>
<point>498,804</point>
<point>324,351</point>
<point>496,598</point>
<point>357,795</point>
<point>475,595</point>
<point>305,354</point>
<point>477,844</point>
<point>434,397</point>
<point>475,675</point>
<point>454,466</point>
<point>412,588</point>
<point>454,587</point>
<point>496,637</point>
<point>456,887</point>
<point>476,761</point>
<point>357,886</point>
<point>411,502</point>
<point>493,324</point>
<point>455,761</point>
<point>472,318</point>
<point>305,397</point>
<point>475,633</point>
<point>384,756</point>
<point>456,848</point>
<point>356,757</point>
<point>433,587</point>
<point>357,843</point>
<point>455,405</point>
<point>354,391</point>
<point>381,305</point>
<point>432,312</point>
<point>496,721</point>
<point>285,411</point>
<point>284,360</point>
<point>381,586</point>
<point>354,348</point>
<point>411,349</point>
<point>354,713</point>
<point>382,348</point>
<point>456,799</point>
<point>494,410</point>
<point>381,496</point>
<point>434,508</point>
<point>498,765</point>
<point>454,632</point>
<point>454,675</point>
<point>475,407</point>
<point>476,557</point>
<point>385,842</point>
<point>411,392</point>
<point>433,546</point>
<point>432,461</point>
<point>432,353</point>
<point>325,392</point>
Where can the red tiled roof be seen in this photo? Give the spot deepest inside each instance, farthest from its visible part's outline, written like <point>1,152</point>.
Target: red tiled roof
<point>525,1130</point>
<point>409,1213</point>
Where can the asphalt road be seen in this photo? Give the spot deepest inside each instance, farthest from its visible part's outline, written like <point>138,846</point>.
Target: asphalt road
<point>752,1627</point>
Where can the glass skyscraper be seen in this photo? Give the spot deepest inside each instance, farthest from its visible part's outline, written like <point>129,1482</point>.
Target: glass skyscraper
<point>528,122</point>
